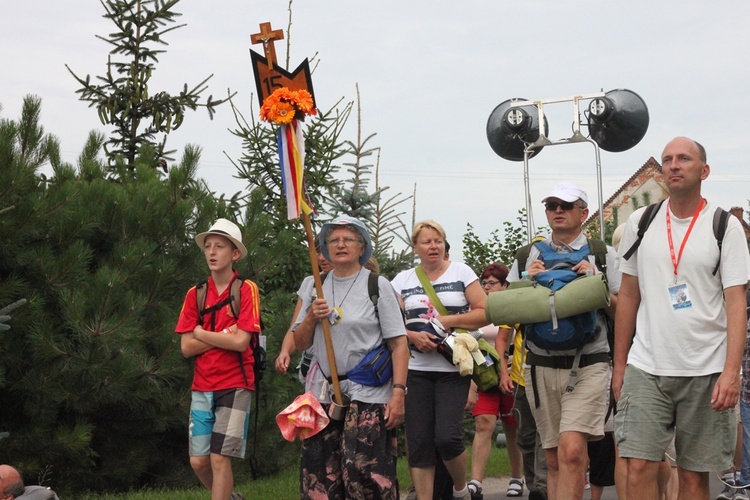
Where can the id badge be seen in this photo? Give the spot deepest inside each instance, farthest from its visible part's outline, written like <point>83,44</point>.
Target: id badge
<point>335,315</point>
<point>679,296</point>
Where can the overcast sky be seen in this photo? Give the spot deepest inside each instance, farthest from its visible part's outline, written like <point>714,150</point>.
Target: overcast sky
<point>430,73</point>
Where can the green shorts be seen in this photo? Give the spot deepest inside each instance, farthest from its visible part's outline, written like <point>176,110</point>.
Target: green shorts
<point>654,408</point>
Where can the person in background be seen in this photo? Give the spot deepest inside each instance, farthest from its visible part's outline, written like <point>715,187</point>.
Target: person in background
<point>435,404</point>
<point>744,478</point>
<point>11,483</point>
<point>12,487</point>
<point>487,405</point>
<point>287,345</point>
<point>529,441</point>
<point>682,372</point>
<point>737,487</point>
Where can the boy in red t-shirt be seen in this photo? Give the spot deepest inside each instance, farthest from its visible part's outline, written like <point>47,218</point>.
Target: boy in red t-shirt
<point>220,342</point>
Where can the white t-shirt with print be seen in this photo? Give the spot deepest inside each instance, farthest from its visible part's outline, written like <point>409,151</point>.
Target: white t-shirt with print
<point>450,288</point>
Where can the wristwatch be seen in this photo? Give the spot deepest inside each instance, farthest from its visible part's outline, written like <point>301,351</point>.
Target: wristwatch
<point>401,386</point>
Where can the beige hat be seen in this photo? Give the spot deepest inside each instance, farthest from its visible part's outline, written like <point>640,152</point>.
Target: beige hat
<point>227,229</point>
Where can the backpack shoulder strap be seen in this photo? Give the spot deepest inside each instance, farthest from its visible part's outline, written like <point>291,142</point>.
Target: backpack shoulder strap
<point>200,297</point>
<point>646,219</point>
<point>373,290</point>
<point>544,249</point>
<point>522,255</point>
<point>235,295</point>
<point>599,250</point>
<point>721,217</point>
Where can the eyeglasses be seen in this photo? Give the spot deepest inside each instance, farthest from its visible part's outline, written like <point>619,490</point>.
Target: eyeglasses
<point>489,283</point>
<point>552,206</point>
<point>346,241</point>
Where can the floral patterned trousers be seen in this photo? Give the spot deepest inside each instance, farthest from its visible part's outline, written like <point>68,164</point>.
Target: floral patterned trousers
<point>352,459</point>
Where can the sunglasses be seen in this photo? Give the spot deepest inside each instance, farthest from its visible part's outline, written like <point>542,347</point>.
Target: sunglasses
<point>552,206</point>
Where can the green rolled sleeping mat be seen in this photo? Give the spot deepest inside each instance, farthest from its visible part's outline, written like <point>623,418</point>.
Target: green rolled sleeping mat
<point>529,302</point>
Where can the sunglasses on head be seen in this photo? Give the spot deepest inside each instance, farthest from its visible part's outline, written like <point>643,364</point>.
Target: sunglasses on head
<point>552,206</point>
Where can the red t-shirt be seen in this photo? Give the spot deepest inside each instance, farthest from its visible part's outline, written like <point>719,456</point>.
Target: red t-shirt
<point>218,369</point>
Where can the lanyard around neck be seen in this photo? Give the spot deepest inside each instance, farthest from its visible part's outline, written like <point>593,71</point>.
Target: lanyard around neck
<point>676,259</point>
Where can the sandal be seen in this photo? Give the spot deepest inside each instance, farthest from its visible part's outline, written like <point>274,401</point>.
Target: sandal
<point>515,488</point>
<point>475,488</point>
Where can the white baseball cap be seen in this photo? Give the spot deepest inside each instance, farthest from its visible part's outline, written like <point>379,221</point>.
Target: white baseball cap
<point>567,191</point>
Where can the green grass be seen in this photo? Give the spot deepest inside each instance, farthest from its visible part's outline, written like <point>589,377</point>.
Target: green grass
<point>286,483</point>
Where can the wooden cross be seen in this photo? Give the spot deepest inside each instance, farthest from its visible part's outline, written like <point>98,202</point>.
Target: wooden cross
<point>267,36</point>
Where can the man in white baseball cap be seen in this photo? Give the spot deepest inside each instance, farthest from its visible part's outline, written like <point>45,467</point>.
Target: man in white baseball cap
<point>566,421</point>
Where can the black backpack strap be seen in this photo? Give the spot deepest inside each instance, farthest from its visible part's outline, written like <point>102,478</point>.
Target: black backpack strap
<point>373,291</point>
<point>646,219</point>
<point>721,217</point>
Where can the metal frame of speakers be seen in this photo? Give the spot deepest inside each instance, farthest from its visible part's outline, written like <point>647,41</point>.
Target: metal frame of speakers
<point>617,120</point>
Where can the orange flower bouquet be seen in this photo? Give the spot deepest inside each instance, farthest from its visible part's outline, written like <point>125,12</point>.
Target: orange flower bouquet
<point>284,105</point>
<point>287,108</point>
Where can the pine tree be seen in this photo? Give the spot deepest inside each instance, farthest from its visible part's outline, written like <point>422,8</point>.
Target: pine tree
<point>123,98</point>
<point>92,382</point>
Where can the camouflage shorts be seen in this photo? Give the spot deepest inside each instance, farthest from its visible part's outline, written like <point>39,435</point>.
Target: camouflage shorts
<point>355,458</point>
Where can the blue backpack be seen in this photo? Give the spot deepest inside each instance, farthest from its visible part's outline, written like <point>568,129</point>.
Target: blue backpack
<point>567,333</point>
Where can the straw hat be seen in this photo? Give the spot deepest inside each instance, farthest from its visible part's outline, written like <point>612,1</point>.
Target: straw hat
<point>227,229</point>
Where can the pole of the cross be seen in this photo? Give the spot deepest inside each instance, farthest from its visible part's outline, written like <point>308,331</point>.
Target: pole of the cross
<point>324,323</point>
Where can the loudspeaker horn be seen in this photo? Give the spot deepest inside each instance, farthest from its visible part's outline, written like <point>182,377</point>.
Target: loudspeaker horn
<point>618,121</point>
<point>510,129</point>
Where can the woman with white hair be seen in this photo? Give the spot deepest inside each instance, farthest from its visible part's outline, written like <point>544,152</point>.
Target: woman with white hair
<point>354,457</point>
